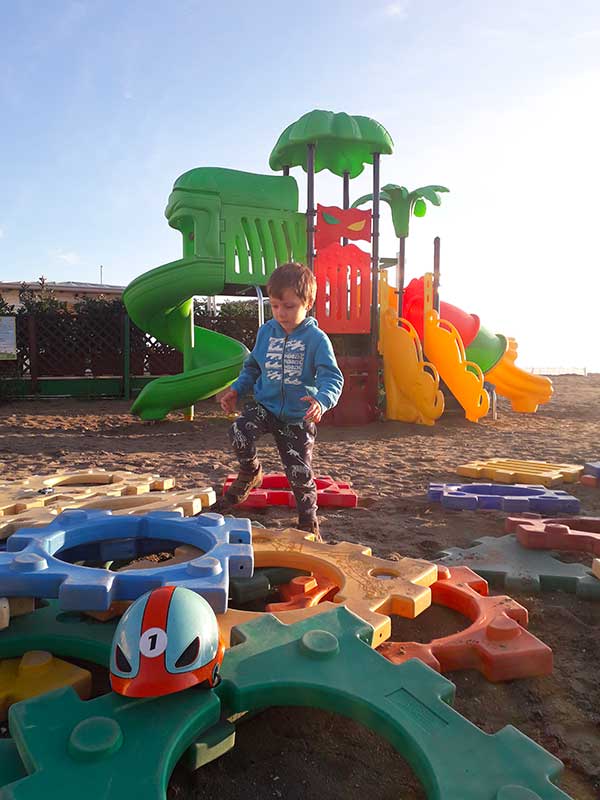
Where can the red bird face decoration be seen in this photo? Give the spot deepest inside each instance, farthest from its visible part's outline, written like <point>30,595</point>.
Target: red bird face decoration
<point>335,223</point>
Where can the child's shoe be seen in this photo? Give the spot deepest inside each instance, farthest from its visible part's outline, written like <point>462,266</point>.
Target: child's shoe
<point>311,525</point>
<point>242,486</point>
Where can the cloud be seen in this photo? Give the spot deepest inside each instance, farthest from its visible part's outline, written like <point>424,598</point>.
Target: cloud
<point>1,232</point>
<point>68,256</point>
<point>398,9</point>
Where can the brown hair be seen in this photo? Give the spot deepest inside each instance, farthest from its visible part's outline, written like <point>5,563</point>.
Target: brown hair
<point>293,276</point>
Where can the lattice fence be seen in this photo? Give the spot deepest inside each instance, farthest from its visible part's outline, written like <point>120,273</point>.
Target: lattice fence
<point>60,344</point>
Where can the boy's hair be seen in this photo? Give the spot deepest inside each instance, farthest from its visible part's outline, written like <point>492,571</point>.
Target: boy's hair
<point>293,276</point>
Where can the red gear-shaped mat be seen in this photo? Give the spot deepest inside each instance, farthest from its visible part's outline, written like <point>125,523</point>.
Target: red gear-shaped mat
<point>496,643</point>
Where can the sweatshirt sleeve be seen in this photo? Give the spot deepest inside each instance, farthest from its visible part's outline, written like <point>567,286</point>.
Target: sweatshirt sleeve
<point>329,379</point>
<point>249,374</point>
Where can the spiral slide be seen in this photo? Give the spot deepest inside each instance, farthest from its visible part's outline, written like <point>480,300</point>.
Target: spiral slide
<point>236,228</point>
<point>465,355</point>
<point>159,302</point>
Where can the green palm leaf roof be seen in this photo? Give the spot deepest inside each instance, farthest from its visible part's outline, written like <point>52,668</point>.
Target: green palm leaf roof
<point>343,143</point>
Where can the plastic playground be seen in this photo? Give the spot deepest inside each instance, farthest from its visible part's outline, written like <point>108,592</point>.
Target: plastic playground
<point>142,633</point>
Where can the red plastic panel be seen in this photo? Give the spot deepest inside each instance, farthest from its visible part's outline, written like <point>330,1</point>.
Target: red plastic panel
<point>590,480</point>
<point>335,223</point>
<point>358,403</point>
<point>572,534</point>
<point>496,643</point>
<point>275,491</point>
<point>343,289</point>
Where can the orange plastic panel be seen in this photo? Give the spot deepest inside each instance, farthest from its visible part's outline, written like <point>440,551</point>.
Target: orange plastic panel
<point>304,591</point>
<point>496,643</point>
<point>445,349</point>
<point>343,289</point>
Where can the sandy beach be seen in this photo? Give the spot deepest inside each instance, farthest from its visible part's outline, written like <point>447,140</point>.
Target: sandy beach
<point>304,753</point>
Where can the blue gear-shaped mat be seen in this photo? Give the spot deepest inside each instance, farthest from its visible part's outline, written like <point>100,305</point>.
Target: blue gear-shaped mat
<point>30,566</point>
<point>505,563</point>
<point>516,497</point>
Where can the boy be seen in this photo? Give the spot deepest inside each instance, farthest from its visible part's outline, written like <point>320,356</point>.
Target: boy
<point>295,378</point>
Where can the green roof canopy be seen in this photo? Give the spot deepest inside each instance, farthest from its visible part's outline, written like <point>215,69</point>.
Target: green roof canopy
<point>343,143</point>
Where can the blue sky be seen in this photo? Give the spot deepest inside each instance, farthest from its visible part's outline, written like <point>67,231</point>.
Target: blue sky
<point>103,104</point>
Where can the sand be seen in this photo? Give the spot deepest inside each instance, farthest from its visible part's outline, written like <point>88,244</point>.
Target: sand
<point>304,753</point>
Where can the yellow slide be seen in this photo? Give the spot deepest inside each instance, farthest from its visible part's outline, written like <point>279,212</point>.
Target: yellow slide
<point>411,383</point>
<point>525,391</point>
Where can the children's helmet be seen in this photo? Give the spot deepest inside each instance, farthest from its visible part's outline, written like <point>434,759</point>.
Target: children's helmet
<point>168,640</point>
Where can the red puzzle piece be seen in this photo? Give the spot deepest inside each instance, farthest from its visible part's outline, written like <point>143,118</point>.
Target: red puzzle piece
<point>496,643</point>
<point>275,491</point>
<point>575,534</point>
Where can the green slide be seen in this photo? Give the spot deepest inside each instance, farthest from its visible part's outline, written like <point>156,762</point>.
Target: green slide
<point>237,227</point>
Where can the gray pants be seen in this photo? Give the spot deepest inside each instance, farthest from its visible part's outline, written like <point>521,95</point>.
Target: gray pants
<point>295,443</point>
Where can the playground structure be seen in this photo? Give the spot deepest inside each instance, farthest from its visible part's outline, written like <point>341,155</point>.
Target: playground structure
<point>237,227</point>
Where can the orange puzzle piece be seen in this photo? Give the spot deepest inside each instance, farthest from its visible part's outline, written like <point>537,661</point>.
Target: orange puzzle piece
<point>496,643</point>
<point>304,591</point>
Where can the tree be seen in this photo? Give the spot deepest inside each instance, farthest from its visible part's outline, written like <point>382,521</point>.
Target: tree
<point>402,203</point>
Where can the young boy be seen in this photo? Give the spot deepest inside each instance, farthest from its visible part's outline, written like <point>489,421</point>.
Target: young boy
<point>294,376</point>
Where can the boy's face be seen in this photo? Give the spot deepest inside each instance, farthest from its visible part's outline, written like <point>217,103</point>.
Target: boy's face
<point>288,310</point>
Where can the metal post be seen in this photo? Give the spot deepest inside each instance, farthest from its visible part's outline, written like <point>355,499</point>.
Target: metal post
<point>126,358</point>
<point>261,307</point>
<point>310,203</point>
<point>346,198</point>
<point>188,349</point>
<point>400,273</point>
<point>375,256</point>
<point>436,274</point>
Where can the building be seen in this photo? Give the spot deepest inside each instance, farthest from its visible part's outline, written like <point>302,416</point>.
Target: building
<point>70,292</point>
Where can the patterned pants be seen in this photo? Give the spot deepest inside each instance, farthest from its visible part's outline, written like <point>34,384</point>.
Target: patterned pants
<point>295,444</point>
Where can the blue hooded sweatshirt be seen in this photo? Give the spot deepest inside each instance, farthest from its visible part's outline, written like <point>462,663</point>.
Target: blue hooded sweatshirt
<point>282,368</point>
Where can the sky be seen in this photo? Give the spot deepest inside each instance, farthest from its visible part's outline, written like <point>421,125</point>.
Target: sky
<point>104,103</point>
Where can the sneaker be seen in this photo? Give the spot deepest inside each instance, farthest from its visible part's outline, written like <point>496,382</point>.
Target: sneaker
<point>242,486</point>
<point>311,525</point>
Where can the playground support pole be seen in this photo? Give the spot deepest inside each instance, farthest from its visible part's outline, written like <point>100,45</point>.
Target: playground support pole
<point>375,256</point>
<point>346,198</point>
<point>310,203</point>
<point>261,305</point>
<point>436,274</point>
<point>400,273</point>
<point>188,348</point>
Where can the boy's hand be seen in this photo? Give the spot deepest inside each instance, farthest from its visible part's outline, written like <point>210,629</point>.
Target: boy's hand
<point>315,410</point>
<point>228,400</point>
